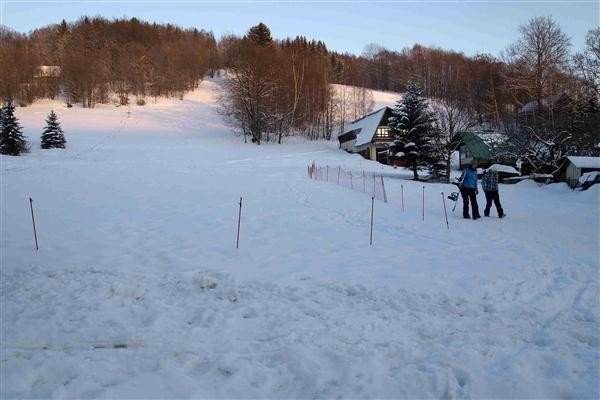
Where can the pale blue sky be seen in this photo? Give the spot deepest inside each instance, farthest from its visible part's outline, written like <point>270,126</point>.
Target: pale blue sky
<point>467,26</point>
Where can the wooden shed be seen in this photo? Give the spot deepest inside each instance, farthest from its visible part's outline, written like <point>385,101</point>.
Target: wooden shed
<point>574,166</point>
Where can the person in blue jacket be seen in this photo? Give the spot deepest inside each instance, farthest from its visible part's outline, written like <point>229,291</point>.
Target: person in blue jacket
<point>469,191</point>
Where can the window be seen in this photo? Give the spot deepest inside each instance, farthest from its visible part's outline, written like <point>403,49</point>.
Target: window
<point>465,151</point>
<point>383,132</point>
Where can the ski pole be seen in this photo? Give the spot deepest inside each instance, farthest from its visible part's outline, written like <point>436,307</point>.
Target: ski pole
<point>33,222</point>
<point>455,203</point>
<point>445,213</point>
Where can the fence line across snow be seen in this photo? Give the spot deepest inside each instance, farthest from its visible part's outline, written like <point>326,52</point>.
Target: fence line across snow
<point>368,183</point>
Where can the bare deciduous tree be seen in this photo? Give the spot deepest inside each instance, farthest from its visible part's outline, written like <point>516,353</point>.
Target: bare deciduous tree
<point>536,58</point>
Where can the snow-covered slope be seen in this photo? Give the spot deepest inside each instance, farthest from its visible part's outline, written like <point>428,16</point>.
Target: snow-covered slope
<point>138,290</point>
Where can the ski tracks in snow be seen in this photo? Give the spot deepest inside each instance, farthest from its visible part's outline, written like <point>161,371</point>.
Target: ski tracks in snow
<point>315,337</point>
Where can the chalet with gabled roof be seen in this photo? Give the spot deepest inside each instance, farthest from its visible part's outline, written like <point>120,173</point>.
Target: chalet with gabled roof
<point>369,136</point>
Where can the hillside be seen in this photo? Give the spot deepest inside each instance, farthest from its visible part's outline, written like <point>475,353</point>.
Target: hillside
<point>138,290</point>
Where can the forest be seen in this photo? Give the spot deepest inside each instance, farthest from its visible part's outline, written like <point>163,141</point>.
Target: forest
<point>94,57</point>
<point>295,86</point>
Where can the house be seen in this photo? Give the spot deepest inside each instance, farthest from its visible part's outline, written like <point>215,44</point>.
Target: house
<point>369,136</point>
<point>574,166</point>
<point>471,146</point>
<point>47,71</point>
<point>553,109</point>
<point>558,102</point>
<point>46,81</point>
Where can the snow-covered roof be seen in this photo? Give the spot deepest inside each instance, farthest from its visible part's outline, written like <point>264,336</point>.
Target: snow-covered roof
<point>547,101</point>
<point>503,168</point>
<point>366,126</point>
<point>585,162</point>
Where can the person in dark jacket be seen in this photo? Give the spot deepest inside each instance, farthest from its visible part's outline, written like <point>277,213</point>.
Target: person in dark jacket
<point>469,191</point>
<point>489,184</point>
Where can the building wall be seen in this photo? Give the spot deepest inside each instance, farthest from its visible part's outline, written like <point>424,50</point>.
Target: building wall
<point>373,153</point>
<point>348,146</point>
<point>572,175</point>
<point>573,172</point>
<point>464,157</point>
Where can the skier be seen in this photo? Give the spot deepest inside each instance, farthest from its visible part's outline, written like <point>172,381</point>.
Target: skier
<point>489,184</point>
<point>469,191</point>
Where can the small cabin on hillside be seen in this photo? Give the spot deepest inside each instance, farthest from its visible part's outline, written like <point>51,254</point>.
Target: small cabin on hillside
<point>574,166</point>
<point>369,136</point>
<point>470,146</point>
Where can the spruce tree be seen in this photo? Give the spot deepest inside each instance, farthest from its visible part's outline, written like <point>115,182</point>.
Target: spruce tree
<point>12,141</point>
<point>260,35</point>
<point>53,136</point>
<point>412,126</point>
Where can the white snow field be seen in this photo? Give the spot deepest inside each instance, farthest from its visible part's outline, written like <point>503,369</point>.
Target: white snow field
<point>138,290</point>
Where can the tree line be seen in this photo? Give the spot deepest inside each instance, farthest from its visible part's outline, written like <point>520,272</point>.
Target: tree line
<point>542,98</point>
<point>536,93</point>
<point>95,57</point>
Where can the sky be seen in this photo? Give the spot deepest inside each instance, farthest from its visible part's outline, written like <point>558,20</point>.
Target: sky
<point>471,27</point>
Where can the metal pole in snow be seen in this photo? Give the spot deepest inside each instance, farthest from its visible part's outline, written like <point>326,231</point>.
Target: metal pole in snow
<point>383,187</point>
<point>339,171</point>
<point>33,222</point>
<point>423,203</point>
<point>237,245</point>
<point>445,213</point>
<point>372,206</point>
<point>364,183</point>
<point>402,196</point>
<point>351,183</point>
<point>327,175</point>
<point>373,184</point>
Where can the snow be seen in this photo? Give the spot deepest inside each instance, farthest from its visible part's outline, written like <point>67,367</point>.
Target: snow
<point>503,168</point>
<point>585,162</point>
<point>367,125</point>
<point>589,176</point>
<point>138,291</point>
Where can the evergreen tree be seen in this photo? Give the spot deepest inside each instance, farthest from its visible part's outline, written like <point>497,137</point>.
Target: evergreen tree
<point>260,35</point>
<point>412,126</point>
<point>53,136</point>
<point>12,141</point>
